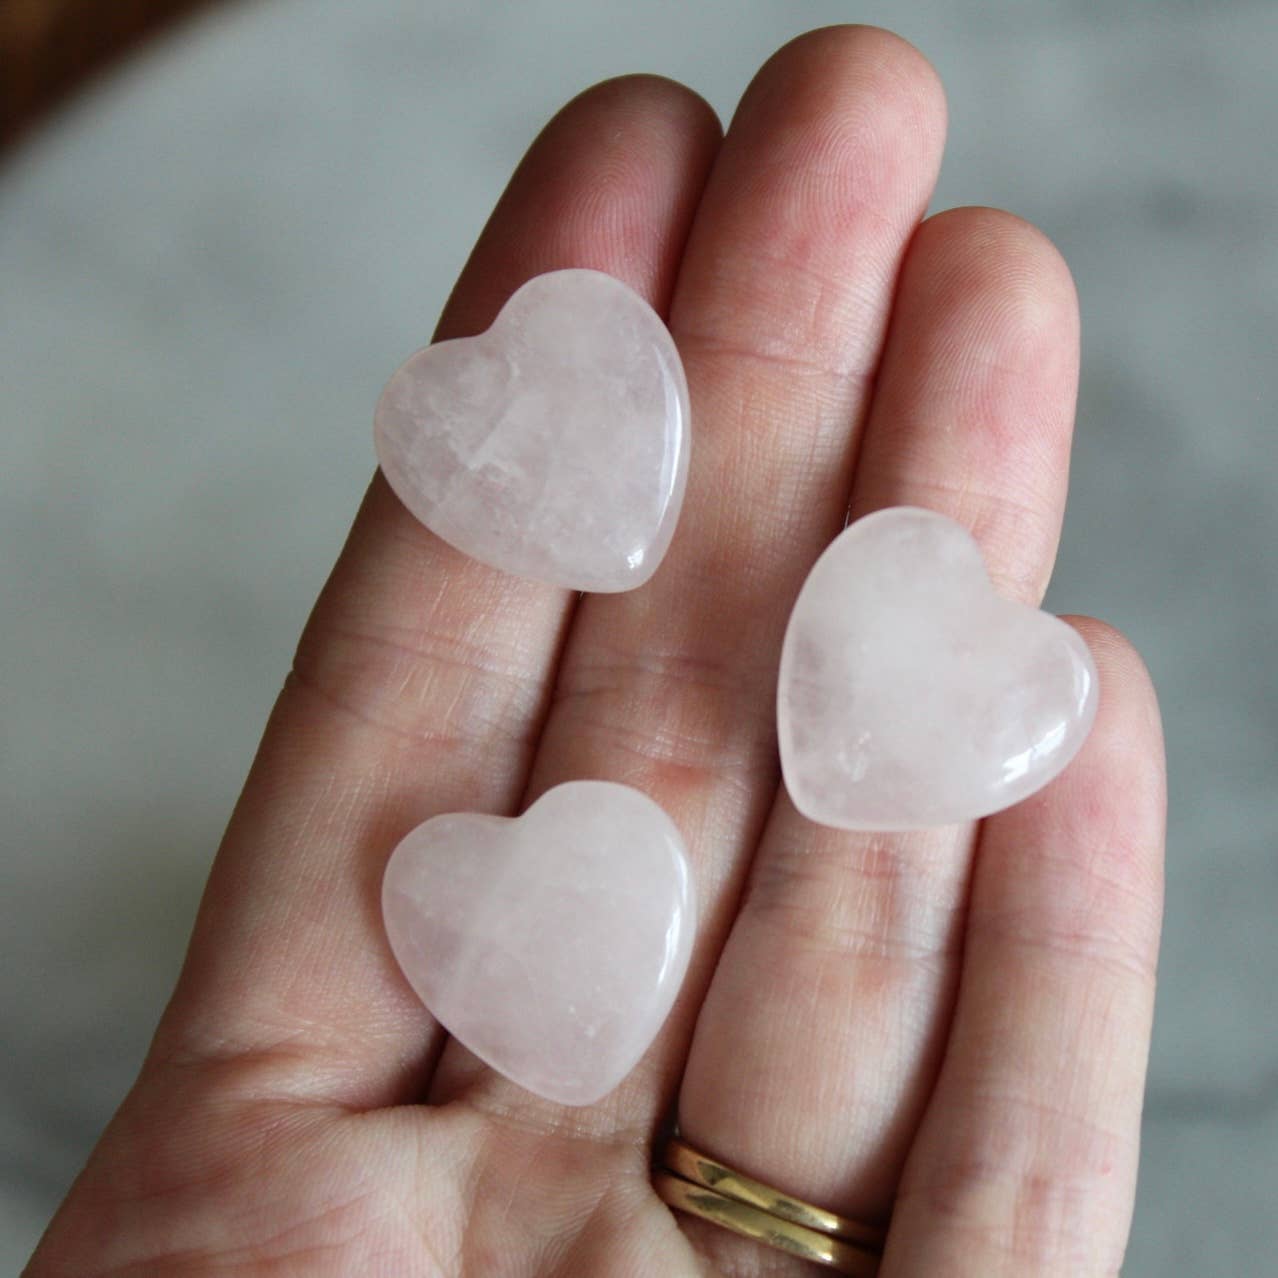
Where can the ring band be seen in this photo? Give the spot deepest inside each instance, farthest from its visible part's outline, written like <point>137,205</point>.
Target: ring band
<point>701,1169</point>
<point>695,1183</point>
<point>749,1221</point>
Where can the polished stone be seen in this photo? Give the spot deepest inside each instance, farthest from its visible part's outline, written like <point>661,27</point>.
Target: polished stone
<point>554,445</point>
<point>553,944</point>
<point>911,695</point>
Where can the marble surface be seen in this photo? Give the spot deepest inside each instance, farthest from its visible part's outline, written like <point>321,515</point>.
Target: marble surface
<point>210,267</point>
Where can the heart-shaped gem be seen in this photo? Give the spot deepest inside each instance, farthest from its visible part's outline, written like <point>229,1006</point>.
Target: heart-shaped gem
<point>552,944</point>
<point>912,695</point>
<point>552,446</point>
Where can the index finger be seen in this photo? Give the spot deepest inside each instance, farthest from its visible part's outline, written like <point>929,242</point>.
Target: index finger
<point>420,682</point>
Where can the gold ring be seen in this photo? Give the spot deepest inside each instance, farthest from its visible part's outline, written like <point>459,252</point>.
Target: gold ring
<point>701,1169</point>
<point>784,1235</point>
<point>695,1183</point>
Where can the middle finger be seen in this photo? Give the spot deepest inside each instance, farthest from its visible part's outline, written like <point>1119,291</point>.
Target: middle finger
<point>780,312</point>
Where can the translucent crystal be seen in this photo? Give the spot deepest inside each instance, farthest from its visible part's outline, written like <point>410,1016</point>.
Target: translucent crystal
<point>554,445</point>
<point>553,944</point>
<point>912,695</point>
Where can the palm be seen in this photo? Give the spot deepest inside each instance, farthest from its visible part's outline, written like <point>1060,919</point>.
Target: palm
<point>946,1027</point>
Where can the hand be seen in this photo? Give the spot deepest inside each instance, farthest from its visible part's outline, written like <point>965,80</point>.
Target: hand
<point>949,1028</point>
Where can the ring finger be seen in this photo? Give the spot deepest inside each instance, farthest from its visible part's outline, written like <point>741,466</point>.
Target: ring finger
<point>821,1034</point>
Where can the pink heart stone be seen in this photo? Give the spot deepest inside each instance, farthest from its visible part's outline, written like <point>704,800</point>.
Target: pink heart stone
<point>552,446</point>
<point>910,694</point>
<point>553,944</point>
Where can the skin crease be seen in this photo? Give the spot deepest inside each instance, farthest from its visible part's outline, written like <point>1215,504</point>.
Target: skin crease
<point>948,1029</point>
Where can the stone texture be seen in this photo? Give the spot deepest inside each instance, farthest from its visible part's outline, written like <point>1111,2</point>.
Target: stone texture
<point>553,944</point>
<point>912,695</point>
<point>554,445</point>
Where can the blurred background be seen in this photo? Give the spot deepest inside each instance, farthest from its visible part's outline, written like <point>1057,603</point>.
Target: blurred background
<point>222,225</point>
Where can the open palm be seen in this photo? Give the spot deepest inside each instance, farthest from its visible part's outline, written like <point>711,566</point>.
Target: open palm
<point>946,1028</point>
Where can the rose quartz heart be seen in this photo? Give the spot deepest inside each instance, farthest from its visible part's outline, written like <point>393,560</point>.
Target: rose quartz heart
<point>552,944</point>
<point>912,695</point>
<point>554,445</point>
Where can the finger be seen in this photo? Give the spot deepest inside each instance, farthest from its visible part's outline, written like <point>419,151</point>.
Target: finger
<point>780,314</point>
<point>1026,1161</point>
<point>820,1037</point>
<point>976,414</point>
<point>421,681</point>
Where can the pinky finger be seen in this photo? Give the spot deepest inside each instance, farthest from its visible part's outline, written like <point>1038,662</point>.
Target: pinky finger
<point>1026,1159</point>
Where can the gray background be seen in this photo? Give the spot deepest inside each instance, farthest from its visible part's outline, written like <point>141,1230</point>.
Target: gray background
<point>210,265</point>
